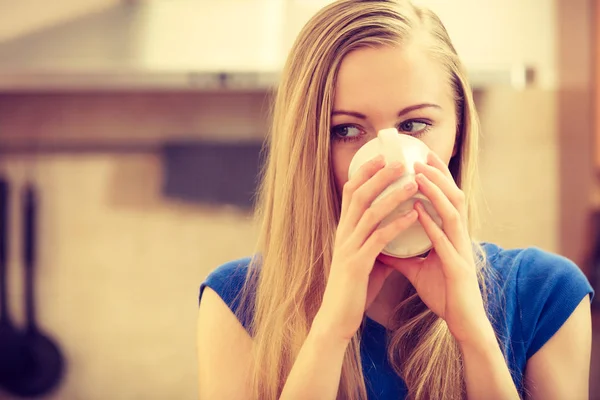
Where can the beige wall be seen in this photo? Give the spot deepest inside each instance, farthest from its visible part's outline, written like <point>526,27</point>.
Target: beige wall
<point>25,16</point>
<point>119,272</point>
<point>518,164</point>
<point>491,32</point>
<point>574,121</point>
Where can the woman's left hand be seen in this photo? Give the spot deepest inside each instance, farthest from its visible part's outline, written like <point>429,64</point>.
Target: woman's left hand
<point>446,280</point>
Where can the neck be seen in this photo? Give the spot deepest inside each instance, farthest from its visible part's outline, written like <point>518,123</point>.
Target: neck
<point>391,294</point>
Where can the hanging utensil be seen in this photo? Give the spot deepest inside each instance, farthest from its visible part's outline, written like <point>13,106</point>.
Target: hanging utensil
<point>11,340</point>
<point>44,363</point>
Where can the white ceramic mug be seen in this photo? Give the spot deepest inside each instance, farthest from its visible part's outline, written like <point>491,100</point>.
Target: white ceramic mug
<point>408,150</point>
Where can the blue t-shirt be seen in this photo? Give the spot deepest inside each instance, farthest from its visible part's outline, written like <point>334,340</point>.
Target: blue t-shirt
<point>533,293</point>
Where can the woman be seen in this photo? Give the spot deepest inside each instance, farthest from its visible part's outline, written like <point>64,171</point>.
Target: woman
<point>320,313</point>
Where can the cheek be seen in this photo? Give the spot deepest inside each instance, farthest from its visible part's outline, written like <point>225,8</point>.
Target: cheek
<point>341,156</point>
<point>443,152</point>
<point>442,143</point>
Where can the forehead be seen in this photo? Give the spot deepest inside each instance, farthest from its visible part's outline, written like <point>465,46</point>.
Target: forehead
<point>373,79</point>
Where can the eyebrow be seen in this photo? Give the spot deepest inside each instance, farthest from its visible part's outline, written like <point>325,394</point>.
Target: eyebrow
<point>402,112</point>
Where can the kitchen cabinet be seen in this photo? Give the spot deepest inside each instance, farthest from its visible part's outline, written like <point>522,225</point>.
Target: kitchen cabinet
<point>596,55</point>
<point>128,121</point>
<point>595,202</point>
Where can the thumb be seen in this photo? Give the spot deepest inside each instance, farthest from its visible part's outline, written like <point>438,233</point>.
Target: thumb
<point>379,274</point>
<point>409,267</point>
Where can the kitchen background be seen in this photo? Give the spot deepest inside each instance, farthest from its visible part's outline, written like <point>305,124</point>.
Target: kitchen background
<point>112,109</point>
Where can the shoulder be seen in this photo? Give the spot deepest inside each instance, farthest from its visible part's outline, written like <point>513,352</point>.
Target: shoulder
<point>534,272</point>
<point>223,342</point>
<point>539,289</point>
<point>228,278</point>
<point>229,282</point>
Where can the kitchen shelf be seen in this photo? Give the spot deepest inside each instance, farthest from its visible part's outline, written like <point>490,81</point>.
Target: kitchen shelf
<point>517,77</point>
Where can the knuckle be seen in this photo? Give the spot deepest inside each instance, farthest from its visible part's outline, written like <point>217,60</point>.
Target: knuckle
<point>404,220</point>
<point>438,237</point>
<point>348,189</point>
<point>398,226</point>
<point>459,197</point>
<point>380,237</point>
<point>355,268</point>
<point>370,216</point>
<point>454,217</point>
<point>402,195</point>
<point>361,197</point>
<point>338,241</point>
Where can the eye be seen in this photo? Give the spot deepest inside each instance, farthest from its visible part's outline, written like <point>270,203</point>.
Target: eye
<point>414,127</point>
<point>346,132</point>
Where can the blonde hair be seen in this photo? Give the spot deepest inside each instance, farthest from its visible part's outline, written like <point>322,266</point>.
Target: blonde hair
<point>299,207</point>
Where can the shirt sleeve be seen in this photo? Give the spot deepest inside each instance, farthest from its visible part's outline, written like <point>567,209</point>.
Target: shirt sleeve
<point>229,281</point>
<point>549,288</point>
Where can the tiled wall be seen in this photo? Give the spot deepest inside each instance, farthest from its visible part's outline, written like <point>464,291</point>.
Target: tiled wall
<point>119,271</point>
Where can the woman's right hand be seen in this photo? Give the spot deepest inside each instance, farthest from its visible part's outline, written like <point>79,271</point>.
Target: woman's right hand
<point>355,278</point>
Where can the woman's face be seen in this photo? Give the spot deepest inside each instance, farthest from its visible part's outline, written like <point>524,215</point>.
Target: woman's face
<point>388,87</point>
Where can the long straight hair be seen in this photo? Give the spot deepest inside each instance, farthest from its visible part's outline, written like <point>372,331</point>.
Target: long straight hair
<point>298,206</point>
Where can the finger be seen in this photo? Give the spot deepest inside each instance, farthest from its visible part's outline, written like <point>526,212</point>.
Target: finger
<point>377,278</point>
<point>385,234</point>
<point>364,173</point>
<point>380,272</point>
<point>441,243</point>
<point>435,161</point>
<point>451,218</point>
<point>363,197</point>
<point>447,185</point>
<point>374,215</point>
<point>409,267</point>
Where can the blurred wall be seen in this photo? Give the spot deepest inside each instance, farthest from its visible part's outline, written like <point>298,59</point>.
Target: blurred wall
<point>490,32</point>
<point>25,16</point>
<point>575,47</point>
<point>120,265</point>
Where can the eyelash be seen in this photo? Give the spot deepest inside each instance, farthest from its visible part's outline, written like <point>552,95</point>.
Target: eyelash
<point>417,135</point>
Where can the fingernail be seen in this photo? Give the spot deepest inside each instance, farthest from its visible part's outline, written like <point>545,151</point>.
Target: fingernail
<point>410,214</point>
<point>396,165</point>
<point>410,186</point>
<point>419,206</point>
<point>379,159</point>
<point>420,177</point>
